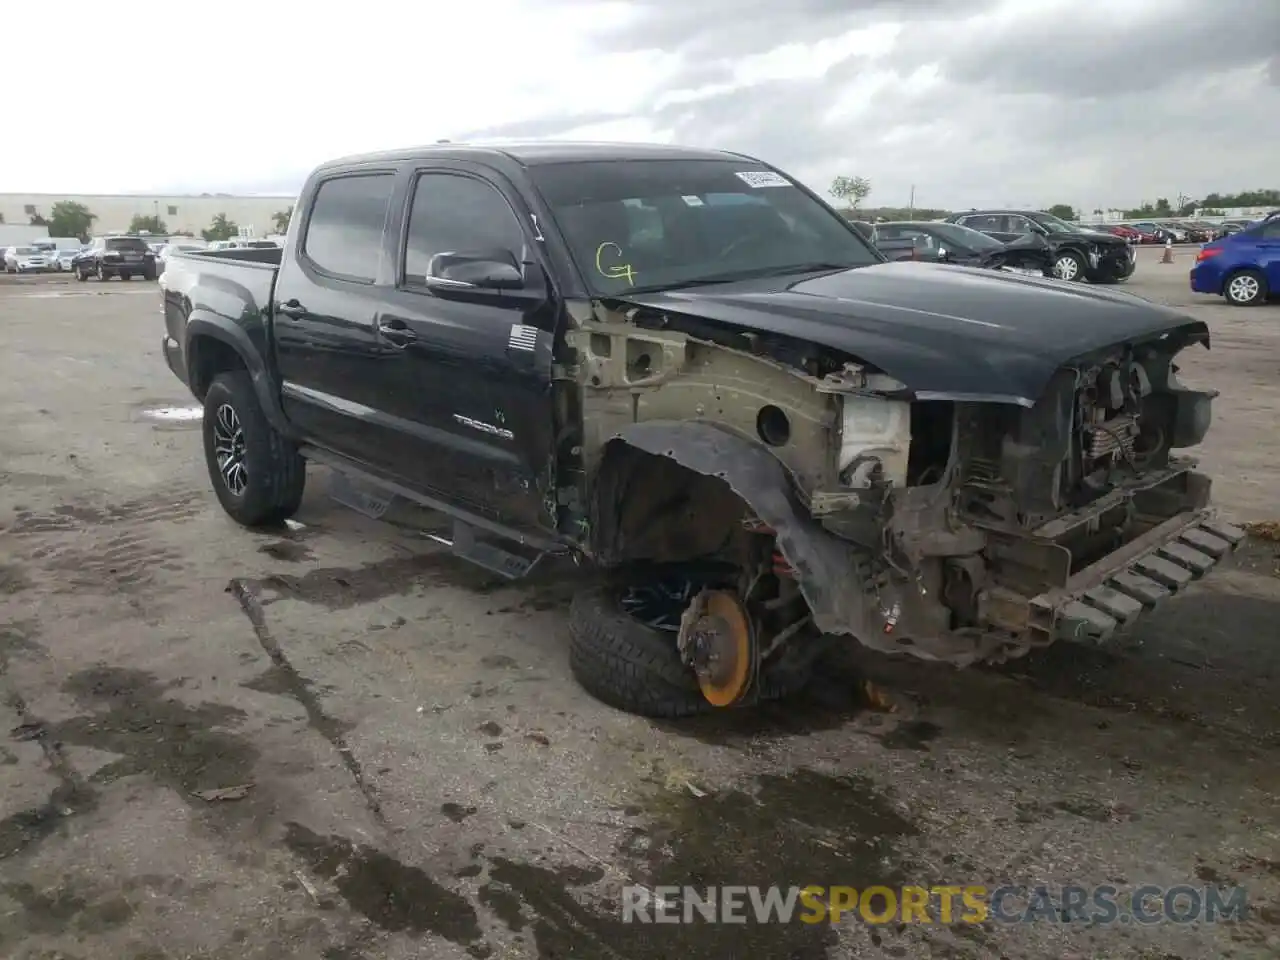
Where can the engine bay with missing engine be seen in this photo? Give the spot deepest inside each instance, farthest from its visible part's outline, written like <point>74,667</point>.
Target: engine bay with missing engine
<point>954,528</point>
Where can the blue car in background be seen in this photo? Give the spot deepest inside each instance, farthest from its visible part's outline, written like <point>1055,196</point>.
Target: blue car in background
<point>1243,267</point>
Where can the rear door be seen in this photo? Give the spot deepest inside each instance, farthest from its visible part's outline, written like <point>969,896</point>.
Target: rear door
<point>333,366</point>
<point>471,378</point>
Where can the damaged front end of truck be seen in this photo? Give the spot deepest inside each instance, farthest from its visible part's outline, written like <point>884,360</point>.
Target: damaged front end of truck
<point>774,492</point>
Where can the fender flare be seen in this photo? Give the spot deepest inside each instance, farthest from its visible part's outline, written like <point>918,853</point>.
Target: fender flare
<point>830,572</point>
<point>203,324</point>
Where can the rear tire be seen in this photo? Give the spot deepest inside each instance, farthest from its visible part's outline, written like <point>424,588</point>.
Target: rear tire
<point>636,668</point>
<point>81,274</point>
<point>270,487</point>
<point>1245,288</point>
<point>101,274</point>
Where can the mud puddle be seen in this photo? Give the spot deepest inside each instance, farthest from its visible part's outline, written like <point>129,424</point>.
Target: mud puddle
<point>177,744</point>
<point>391,895</point>
<point>804,828</point>
<point>73,517</point>
<point>340,588</point>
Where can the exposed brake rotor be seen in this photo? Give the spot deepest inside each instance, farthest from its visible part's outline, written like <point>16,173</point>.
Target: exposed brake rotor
<point>717,640</point>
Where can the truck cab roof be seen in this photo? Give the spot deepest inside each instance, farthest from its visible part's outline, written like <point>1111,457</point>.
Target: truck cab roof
<point>536,153</point>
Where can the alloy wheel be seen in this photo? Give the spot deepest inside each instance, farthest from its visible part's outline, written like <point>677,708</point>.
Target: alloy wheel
<point>229,449</point>
<point>1243,289</point>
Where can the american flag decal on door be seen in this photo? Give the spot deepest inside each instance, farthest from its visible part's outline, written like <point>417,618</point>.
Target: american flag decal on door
<point>522,338</point>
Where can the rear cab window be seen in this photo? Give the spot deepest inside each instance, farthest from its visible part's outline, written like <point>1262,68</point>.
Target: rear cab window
<point>126,245</point>
<point>344,232</point>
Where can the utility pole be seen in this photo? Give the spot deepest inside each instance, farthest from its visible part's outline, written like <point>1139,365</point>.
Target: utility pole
<point>911,203</point>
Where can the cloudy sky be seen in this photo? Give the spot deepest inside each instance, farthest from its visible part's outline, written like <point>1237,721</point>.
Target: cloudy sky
<point>974,102</point>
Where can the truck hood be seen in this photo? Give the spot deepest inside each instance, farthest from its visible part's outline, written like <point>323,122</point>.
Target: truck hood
<point>944,331</point>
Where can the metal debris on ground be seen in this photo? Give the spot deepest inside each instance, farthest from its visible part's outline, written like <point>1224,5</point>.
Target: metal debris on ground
<point>878,698</point>
<point>238,792</point>
<point>1264,530</point>
<point>184,414</point>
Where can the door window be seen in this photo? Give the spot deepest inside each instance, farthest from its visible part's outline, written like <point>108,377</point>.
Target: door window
<point>1017,224</point>
<point>344,233</point>
<point>1271,231</point>
<point>452,213</point>
<point>987,222</point>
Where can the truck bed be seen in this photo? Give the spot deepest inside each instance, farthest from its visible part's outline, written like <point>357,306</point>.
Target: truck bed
<point>222,293</point>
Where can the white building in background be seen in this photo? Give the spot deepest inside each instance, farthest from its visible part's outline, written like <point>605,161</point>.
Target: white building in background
<point>180,214</point>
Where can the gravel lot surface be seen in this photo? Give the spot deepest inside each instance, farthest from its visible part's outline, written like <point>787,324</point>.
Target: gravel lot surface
<point>335,741</point>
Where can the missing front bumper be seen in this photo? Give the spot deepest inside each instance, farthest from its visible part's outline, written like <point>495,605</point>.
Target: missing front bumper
<point>1107,597</point>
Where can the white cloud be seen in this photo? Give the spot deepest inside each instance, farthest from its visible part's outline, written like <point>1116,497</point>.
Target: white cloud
<point>989,101</point>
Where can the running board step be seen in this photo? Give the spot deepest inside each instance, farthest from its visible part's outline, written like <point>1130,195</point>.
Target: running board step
<point>364,498</point>
<point>502,560</point>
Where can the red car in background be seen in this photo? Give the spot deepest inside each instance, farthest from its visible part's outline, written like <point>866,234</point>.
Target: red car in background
<point>1130,234</point>
<point>1141,235</point>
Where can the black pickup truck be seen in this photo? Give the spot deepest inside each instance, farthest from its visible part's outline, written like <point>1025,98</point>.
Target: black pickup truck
<point>686,369</point>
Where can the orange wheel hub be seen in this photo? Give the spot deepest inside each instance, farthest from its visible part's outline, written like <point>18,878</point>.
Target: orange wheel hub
<point>724,649</point>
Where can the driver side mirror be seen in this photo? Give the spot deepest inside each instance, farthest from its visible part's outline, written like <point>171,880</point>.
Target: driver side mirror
<point>478,275</point>
<point>1039,230</point>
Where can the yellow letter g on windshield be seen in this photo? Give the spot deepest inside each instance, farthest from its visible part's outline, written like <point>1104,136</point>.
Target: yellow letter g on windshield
<point>617,270</point>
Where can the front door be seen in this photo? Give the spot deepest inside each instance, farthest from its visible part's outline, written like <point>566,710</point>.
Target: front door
<point>472,383</point>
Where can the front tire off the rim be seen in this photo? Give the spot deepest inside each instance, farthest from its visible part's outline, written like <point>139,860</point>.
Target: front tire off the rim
<point>1068,266</point>
<point>635,667</point>
<point>257,473</point>
<point>1245,288</point>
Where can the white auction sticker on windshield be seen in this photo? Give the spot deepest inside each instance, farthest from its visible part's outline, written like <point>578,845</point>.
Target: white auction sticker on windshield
<point>692,201</point>
<point>763,178</point>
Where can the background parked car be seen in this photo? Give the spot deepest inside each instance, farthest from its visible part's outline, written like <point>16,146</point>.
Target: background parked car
<point>953,243</point>
<point>63,260</point>
<point>1126,233</point>
<point>1196,232</point>
<point>1077,254</point>
<point>1243,268</point>
<point>181,246</point>
<point>1158,230</point>
<point>123,257</point>
<point>25,260</point>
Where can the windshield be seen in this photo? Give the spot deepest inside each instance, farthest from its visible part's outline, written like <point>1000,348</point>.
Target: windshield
<point>24,251</point>
<point>657,224</point>
<point>132,244</point>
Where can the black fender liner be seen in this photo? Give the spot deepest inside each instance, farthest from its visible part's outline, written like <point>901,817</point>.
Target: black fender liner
<point>203,324</point>
<point>830,572</point>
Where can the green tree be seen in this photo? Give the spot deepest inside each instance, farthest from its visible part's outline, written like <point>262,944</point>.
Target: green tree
<point>148,224</point>
<point>1246,198</point>
<point>281,219</point>
<point>852,190</point>
<point>1,218</point>
<point>1063,211</point>
<point>70,219</point>
<point>220,228</point>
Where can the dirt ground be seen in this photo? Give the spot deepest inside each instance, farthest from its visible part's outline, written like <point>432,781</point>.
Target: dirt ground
<point>334,741</point>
